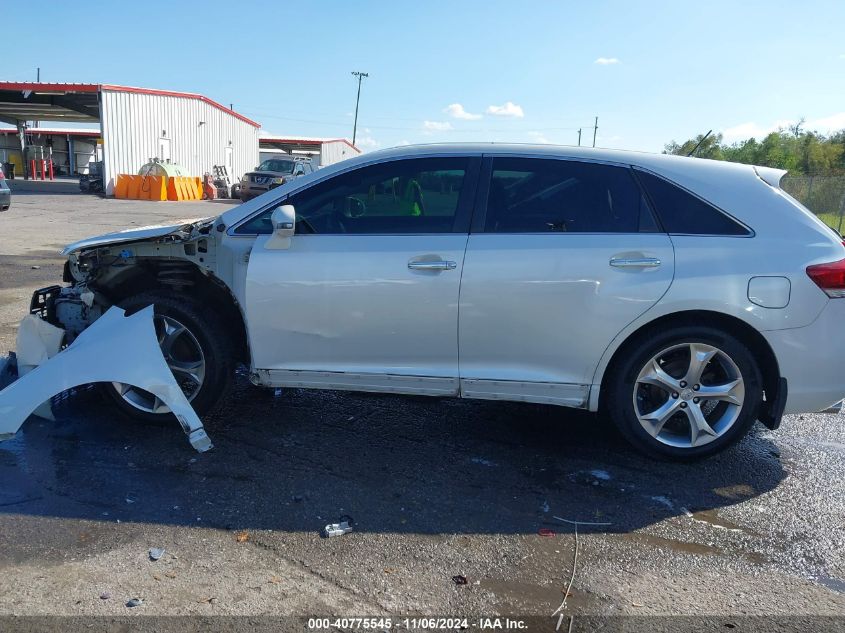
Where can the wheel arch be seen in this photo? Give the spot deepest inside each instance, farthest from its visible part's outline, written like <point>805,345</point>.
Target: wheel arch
<point>182,277</point>
<point>757,344</point>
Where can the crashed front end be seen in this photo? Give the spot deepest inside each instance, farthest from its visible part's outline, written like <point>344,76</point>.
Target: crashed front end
<point>69,337</point>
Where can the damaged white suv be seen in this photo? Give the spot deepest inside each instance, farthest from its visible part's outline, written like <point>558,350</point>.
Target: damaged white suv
<point>685,298</point>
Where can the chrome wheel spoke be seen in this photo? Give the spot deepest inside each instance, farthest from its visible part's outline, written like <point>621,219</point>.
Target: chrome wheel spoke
<point>699,428</point>
<point>658,418</point>
<point>187,369</point>
<point>699,357</point>
<point>731,392</point>
<point>655,375</point>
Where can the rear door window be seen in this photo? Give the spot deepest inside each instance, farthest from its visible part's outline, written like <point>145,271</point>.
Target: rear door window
<point>530,195</point>
<point>683,213</point>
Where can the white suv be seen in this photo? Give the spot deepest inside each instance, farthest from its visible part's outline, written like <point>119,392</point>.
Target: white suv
<point>684,298</point>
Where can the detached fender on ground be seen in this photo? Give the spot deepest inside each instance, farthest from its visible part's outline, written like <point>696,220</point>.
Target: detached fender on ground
<point>115,348</point>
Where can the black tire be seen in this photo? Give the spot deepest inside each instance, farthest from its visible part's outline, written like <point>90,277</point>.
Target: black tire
<point>208,331</point>
<point>619,390</point>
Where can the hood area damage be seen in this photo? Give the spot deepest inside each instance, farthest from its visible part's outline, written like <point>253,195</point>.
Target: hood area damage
<point>43,371</point>
<point>70,335</point>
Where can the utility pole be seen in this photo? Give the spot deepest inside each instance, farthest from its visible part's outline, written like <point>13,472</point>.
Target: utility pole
<point>360,77</point>
<point>595,129</point>
<point>579,137</point>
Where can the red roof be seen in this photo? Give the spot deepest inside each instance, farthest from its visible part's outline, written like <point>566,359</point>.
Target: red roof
<point>59,88</point>
<point>47,131</point>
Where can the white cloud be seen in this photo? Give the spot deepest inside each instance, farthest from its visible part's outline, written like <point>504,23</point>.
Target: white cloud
<point>509,109</point>
<point>456,111</point>
<point>606,61</point>
<point>436,126</point>
<point>832,123</point>
<point>365,141</point>
<point>538,137</point>
<point>403,142</point>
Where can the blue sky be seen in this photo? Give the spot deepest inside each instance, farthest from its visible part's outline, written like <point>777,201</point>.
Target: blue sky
<point>518,71</point>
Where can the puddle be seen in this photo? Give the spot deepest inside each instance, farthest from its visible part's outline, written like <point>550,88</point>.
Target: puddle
<point>834,584</point>
<point>739,491</point>
<point>712,518</point>
<point>678,546</point>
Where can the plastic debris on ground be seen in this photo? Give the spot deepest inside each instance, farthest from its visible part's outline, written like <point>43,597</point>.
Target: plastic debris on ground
<point>156,553</point>
<point>343,526</point>
<point>459,580</point>
<point>134,602</point>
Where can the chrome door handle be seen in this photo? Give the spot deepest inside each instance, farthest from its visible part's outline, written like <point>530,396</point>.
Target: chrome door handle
<point>635,262</point>
<point>438,265</point>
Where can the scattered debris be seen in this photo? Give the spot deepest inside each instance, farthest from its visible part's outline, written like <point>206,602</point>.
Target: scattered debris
<point>35,267</point>
<point>170,574</point>
<point>242,537</point>
<point>156,553</point>
<point>275,580</point>
<point>736,492</point>
<point>297,498</point>
<point>545,507</point>
<point>134,602</point>
<point>546,532</point>
<point>637,604</point>
<point>459,580</point>
<point>663,500</point>
<point>131,498</point>
<point>105,595</point>
<point>601,474</point>
<point>482,461</point>
<point>209,600</point>
<point>343,526</point>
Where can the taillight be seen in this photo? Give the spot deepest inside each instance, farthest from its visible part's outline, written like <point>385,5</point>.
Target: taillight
<point>829,277</point>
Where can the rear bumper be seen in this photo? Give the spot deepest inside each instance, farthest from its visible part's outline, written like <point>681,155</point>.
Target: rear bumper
<point>812,359</point>
<point>5,198</point>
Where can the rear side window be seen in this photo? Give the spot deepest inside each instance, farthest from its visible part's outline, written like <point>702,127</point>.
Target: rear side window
<point>531,195</point>
<point>685,214</point>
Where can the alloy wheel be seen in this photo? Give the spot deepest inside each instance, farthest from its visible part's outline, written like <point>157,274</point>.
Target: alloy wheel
<point>688,395</point>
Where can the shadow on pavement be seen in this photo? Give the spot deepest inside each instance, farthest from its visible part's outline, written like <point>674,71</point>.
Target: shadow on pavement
<point>396,464</point>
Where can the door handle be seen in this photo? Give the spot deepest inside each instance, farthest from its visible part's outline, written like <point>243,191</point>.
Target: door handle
<point>634,262</point>
<point>437,265</point>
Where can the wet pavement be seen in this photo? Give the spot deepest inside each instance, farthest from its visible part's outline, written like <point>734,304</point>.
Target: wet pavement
<point>437,488</point>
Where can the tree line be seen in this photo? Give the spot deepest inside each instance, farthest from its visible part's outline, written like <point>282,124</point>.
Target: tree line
<point>802,152</point>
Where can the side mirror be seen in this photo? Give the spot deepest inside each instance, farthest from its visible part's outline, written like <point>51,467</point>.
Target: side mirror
<point>283,220</point>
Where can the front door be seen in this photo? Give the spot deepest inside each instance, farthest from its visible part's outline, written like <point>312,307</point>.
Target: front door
<point>567,254</point>
<point>366,296</point>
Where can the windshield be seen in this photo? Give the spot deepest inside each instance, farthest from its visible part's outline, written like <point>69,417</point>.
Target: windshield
<point>276,165</point>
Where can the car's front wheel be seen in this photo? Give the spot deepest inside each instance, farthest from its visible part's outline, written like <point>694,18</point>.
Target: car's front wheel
<point>685,393</point>
<point>195,346</point>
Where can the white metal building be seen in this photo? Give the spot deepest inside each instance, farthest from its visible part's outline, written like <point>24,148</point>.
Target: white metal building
<point>138,124</point>
<point>323,151</point>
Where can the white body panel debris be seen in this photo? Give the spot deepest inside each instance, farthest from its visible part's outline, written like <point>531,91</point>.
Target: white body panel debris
<point>37,342</point>
<point>91,358</point>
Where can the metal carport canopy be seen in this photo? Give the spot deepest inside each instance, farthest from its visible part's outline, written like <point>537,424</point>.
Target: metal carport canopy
<point>30,101</point>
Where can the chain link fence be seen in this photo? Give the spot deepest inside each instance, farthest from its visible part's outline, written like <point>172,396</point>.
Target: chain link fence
<point>823,195</point>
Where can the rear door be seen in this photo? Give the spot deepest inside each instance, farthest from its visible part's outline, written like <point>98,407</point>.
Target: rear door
<point>563,255</point>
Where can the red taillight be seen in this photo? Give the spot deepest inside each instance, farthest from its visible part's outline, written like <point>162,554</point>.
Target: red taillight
<point>829,277</point>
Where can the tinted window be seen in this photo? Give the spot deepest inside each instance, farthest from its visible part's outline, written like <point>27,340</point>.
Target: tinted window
<point>407,196</point>
<point>279,166</point>
<point>538,196</point>
<point>683,213</point>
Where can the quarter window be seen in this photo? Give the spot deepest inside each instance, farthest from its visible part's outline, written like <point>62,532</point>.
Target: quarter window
<point>685,214</point>
<point>540,196</point>
<point>405,196</point>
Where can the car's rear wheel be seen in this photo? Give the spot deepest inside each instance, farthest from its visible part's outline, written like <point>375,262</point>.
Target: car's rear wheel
<point>195,347</point>
<point>685,393</point>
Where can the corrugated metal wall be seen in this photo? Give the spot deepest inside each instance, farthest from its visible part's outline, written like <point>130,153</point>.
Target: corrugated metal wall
<point>133,124</point>
<point>335,151</point>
